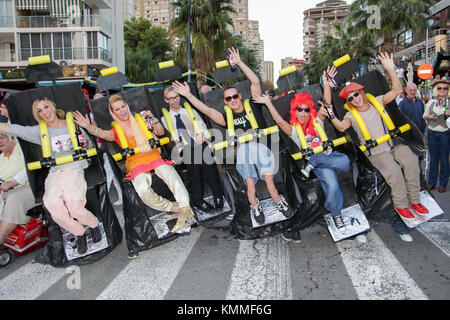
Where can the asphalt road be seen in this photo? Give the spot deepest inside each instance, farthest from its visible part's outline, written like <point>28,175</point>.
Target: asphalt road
<point>213,265</point>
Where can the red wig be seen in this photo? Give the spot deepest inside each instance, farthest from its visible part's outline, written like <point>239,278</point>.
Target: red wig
<point>303,99</point>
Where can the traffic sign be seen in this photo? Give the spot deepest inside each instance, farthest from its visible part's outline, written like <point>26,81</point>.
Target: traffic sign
<point>425,71</point>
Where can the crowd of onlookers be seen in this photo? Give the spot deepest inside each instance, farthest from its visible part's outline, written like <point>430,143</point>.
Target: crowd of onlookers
<point>428,108</point>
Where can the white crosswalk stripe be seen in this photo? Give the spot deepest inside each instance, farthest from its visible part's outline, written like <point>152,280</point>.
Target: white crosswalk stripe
<point>437,232</point>
<point>376,273</point>
<point>261,271</point>
<point>151,275</point>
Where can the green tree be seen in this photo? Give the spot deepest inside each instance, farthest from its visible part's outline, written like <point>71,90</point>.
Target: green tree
<point>247,55</point>
<point>140,65</point>
<point>386,18</point>
<point>139,34</point>
<point>209,34</point>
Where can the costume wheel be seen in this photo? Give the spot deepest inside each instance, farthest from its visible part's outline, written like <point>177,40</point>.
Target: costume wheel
<point>6,257</point>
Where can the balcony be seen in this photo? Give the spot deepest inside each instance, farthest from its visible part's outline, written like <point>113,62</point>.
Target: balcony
<point>6,22</point>
<point>58,22</point>
<point>74,53</point>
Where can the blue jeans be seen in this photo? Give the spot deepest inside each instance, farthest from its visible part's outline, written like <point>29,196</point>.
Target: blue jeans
<point>438,144</point>
<point>254,160</point>
<point>325,168</point>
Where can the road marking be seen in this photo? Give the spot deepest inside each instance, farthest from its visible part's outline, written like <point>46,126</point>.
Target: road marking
<point>29,281</point>
<point>437,232</point>
<point>150,276</point>
<point>375,272</point>
<point>261,271</point>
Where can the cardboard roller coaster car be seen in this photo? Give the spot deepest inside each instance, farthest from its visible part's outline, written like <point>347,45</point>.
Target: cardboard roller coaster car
<point>311,207</point>
<point>41,68</point>
<point>373,191</point>
<point>60,250</point>
<point>145,228</point>
<point>226,142</point>
<point>161,110</point>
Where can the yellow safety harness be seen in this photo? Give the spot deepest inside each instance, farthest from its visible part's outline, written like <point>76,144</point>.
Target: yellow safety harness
<point>246,137</point>
<point>126,151</point>
<point>326,144</point>
<point>47,161</point>
<point>195,124</point>
<point>393,131</point>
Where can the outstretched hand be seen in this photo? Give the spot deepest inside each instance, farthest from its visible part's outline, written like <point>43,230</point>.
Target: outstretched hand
<point>181,88</point>
<point>262,99</point>
<point>387,60</point>
<point>234,55</point>
<point>82,121</point>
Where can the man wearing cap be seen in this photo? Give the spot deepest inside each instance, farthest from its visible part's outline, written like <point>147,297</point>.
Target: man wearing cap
<point>16,197</point>
<point>390,157</point>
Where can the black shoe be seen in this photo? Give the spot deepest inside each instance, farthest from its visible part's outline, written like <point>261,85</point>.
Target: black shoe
<point>204,206</point>
<point>257,213</point>
<point>283,207</point>
<point>132,254</point>
<point>218,203</point>
<point>96,234</point>
<point>81,244</point>
<point>339,223</point>
<point>291,235</point>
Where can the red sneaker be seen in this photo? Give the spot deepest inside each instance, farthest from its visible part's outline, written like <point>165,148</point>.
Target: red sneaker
<point>405,213</point>
<point>420,209</point>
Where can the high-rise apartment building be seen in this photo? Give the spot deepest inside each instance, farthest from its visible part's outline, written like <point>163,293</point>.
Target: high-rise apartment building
<point>289,61</point>
<point>240,19</point>
<point>158,12</point>
<point>71,32</point>
<point>254,41</point>
<point>317,23</point>
<point>268,71</point>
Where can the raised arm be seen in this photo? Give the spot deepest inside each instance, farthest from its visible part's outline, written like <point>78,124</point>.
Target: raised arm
<point>255,86</point>
<point>389,65</point>
<point>283,124</point>
<point>183,90</point>
<point>331,71</point>
<point>83,121</point>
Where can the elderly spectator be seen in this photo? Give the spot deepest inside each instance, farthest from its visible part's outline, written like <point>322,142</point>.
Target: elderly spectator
<point>413,107</point>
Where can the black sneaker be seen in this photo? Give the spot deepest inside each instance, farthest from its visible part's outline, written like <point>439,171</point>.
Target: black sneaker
<point>257,213</point>
<point>286,235</point>
<point>291,235</point>
<point>339,223</point>
<point>307,170</point>
<point>218,203</point>
<point>132,254</point>
<point>283,207</point>
<point>81,244</point>
<point>96,234</point>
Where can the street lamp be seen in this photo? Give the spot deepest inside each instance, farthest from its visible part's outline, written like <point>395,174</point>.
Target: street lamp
<point>189,40</point>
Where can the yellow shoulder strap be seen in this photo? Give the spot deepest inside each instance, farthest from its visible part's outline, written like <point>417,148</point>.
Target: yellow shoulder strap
<point>250,114</point>
<point>382,111</point>
<point>194,120</point>
<point>72,130</point>
<point>45,139</point>
<point>230,123</point>
<point>301,136</point>
<point>143,126</point>
<point>323,136</point>
<point>359,120</point>
<point>170,125</point>
<point>120,134</point>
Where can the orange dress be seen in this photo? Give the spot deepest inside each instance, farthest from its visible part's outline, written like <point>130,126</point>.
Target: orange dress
<point>142,162</point>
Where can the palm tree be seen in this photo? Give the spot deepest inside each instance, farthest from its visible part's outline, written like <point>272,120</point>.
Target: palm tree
<point>386,18</point>
<point>208,22</point>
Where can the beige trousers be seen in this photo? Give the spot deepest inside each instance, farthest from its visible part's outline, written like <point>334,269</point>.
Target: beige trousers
<point>405,186</point>
<point>142,184</point>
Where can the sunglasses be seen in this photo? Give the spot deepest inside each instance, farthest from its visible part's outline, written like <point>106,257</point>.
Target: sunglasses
<point>442,88</point>
<point>307,109</point>
<point>235,97</point>
<point>356,94</point>
<point>172,98</point>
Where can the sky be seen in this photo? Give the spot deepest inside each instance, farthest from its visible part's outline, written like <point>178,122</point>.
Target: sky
<point>281,27</point>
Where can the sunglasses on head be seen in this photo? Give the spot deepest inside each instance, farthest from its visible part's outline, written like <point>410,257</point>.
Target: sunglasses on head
<point>350,99</point>
<point>235,97</point>
<point>442,88</point>
<point>307,109</point>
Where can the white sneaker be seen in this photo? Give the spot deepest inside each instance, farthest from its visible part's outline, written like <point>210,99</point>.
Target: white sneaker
<point>306,170</point>
<point>361,238</point>
<point>406,237</point>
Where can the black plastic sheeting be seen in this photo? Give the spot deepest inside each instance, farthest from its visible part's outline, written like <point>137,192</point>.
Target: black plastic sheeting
<point>68,97</point>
